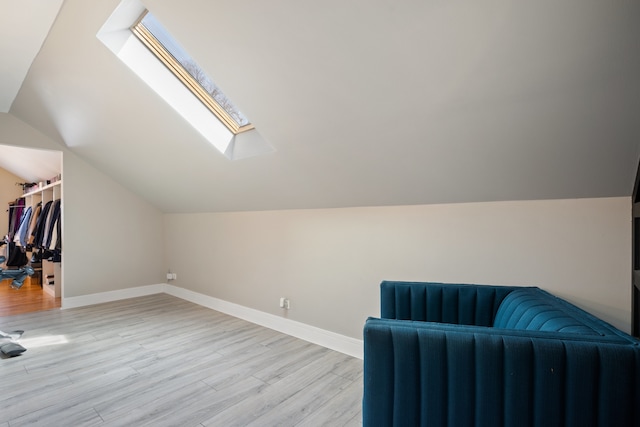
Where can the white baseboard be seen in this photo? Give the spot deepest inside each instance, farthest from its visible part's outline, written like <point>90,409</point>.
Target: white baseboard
<point>347,345</point>
<point>102,297</point>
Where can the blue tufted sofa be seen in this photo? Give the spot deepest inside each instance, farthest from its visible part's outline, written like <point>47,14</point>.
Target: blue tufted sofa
<point>478,355</point>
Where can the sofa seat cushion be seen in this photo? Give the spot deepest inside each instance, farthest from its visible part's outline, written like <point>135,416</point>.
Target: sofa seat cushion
<point>532,309</point>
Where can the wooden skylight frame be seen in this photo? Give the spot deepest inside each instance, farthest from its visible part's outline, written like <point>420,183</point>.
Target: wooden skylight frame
<point>235,125</point>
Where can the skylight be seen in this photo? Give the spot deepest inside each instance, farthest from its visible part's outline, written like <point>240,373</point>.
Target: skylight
<point>180,63</point>
<point>158,60</point>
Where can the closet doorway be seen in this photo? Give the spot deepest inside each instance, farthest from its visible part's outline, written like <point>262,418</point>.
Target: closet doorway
<point>30,180</point>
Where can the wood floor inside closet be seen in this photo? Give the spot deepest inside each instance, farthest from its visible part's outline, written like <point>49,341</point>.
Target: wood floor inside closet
<point>29,298</point>
<point>162,361</point>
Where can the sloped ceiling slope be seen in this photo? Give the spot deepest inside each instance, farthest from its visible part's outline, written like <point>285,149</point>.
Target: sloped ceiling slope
<point>24,26</point>
<point>366,102</point>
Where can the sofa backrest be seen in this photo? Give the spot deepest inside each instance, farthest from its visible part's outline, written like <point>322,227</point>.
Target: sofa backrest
<point>532,309</point>
<point>438,302</point>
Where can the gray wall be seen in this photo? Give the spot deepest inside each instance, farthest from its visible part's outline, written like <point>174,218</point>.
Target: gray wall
<point>112,238</point>
<point>329,262</point>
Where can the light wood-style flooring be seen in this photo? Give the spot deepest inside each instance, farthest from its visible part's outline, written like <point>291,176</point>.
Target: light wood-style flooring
<point>162,361</point>
<point>30,297</point>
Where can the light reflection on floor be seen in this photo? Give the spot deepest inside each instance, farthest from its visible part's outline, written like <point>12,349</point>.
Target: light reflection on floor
<point>43,341</point>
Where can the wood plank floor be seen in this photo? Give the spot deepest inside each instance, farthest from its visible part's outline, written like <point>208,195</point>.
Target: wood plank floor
<point>162,361</point>
<point>30,297</point>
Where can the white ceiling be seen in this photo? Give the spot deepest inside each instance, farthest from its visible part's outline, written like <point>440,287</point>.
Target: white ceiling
<point>25,24</point>
<point>380,102</point>
<point>30,164</point>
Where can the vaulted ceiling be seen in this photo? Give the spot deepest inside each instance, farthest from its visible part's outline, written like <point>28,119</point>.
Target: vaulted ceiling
<point>366,102</point>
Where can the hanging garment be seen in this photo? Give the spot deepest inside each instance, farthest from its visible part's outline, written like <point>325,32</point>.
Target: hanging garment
<point>15,213</point>
<point>40,227</point>
<point>32,226</point>
<point>56,239</point>
<point>16,256</point>
<point>21,235</point>
<point>54,215</point>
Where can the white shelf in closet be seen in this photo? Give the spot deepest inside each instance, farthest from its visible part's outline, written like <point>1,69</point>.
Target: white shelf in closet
<point>43,188</point>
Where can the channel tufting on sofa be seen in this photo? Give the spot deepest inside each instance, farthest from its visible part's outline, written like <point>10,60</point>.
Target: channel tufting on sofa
<point>479,355</point>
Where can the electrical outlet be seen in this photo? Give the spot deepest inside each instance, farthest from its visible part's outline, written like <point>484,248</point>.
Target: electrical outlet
<point>284,303</point>
<point>174,276</point>
<point>169,276</point>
